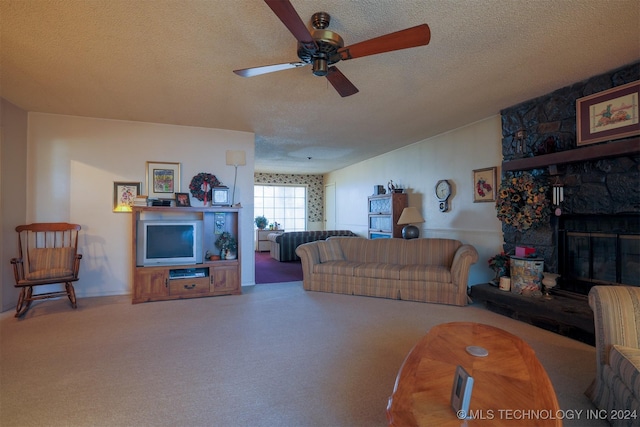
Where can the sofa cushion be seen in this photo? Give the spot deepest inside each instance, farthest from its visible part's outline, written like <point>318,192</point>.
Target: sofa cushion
<point>427,273</point>
<point>342,268</point>
<point>625,363</point>
<point>378,270</point>
<point>330,251</point>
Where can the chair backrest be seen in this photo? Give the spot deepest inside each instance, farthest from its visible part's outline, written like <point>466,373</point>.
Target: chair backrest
<point>48,250</point>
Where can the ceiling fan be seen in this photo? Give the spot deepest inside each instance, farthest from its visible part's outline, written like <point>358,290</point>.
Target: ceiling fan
<point>322,48</point>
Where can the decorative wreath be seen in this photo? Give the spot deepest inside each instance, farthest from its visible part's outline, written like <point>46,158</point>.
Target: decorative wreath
<point>522,202</point>
<point>197,185</point>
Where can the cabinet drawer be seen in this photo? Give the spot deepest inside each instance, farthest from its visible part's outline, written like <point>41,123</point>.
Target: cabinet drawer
<point>380,222</point>
<point>194,286</point>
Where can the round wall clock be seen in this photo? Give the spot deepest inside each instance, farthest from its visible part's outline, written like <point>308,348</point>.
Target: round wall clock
<point>443,192</point>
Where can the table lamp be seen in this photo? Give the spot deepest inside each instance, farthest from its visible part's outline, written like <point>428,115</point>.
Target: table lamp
<point>235,158</point>
<point>410,216</point>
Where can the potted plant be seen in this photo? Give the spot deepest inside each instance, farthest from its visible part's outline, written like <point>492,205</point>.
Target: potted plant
<point>500,265</point>
<point>261,222</point>
<point>228,245</point>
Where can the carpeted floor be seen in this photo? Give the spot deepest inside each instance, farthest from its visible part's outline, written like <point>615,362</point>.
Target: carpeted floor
<point>274,356</point>
<point>268,270</point>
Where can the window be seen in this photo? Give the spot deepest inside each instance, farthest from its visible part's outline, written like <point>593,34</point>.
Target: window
<point>284,204</point>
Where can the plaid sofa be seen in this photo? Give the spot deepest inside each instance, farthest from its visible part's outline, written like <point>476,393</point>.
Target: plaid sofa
<point>425,270</point>
<point>283,245</point>
<point>616,388</point>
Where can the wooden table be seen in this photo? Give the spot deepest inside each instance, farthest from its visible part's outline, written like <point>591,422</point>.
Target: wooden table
<point>510,385</point>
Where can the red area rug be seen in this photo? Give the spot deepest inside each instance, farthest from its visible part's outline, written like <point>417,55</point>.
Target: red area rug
<point>268,270</point>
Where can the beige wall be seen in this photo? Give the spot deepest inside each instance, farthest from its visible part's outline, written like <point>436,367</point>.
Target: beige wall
<point>453,156</point>
<point>73,162</point>
<point>13,195</point>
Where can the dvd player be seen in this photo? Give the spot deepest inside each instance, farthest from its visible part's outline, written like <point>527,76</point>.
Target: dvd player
<point>188,273</point>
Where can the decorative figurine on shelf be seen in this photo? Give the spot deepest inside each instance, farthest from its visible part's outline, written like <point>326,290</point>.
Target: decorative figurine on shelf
<point>393,187</point>
<point>228,245</point>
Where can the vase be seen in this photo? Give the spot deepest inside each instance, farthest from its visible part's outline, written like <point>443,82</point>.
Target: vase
<point>549,280</point>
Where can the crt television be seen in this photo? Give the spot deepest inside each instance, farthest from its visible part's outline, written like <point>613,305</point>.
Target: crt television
<point>164,242</point>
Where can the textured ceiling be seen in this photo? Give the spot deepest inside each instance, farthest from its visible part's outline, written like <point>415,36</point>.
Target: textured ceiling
<point>172,61</point>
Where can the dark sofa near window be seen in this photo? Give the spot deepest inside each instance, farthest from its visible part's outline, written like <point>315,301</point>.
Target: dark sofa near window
<point>283,245</point>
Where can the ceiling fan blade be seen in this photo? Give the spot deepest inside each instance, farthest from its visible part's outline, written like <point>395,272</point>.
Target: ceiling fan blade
<point>340,82</point>
<point>411,37</point>
<point>256,71</point>
<point>290,18</point>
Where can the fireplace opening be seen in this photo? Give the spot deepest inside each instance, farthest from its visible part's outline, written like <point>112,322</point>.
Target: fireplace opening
<point>598,250</point>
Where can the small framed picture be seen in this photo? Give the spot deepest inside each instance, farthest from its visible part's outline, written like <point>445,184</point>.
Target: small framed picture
<point>163,180</point>
<point>461,392</point>
<point>182,200</point>
<point>220,196</point>
<point>124,194</point>
<point>484,185</point>
<point>220,222</point>
<point>608,115</point>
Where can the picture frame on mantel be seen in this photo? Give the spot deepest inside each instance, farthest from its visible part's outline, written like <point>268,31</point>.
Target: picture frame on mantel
<point>124,193</point>
<point>163,180</point>
<point>183,200</point>
<point>608,115</point>
<point>484,185</point>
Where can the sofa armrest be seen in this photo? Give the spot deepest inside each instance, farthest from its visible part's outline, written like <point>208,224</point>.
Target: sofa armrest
<point>465,256</point>
<point>309,256</point>
<point>616,316</point>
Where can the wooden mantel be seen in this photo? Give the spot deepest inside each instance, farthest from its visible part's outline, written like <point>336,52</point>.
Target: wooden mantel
<point>592,152</point>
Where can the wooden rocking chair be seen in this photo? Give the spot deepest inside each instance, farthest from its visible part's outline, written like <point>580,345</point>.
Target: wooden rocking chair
<point>48,254</point>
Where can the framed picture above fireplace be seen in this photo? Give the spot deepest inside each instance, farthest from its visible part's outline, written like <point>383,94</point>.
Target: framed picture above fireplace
<point>608,115</point>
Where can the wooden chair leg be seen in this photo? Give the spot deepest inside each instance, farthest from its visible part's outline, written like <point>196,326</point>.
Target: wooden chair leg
<point>24,300</point>
<point>71,293</point>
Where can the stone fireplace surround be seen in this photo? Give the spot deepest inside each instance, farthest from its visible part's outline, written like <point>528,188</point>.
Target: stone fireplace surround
<point>606,186</point>
<point>604,182</point>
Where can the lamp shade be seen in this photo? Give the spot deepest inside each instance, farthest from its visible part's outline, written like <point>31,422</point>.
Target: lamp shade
<point>410,216</point>
<point>236,158</point>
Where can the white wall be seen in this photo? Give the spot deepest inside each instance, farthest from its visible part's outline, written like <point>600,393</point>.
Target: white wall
<point>13,195</point>
<point>453,156</point>
<point>73,162</point>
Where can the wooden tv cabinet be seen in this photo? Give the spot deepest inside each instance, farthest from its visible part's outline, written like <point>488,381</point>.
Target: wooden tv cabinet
<point>210,278</point>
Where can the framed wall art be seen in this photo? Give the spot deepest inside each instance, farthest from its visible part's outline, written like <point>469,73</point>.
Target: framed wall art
<point>608,115</point>
<point>182,200</point>
<point>124,194</point>
<point>163,180</point>
<point>484,185</point>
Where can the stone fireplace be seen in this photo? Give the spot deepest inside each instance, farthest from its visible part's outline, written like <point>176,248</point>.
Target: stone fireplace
<point>595,239</point>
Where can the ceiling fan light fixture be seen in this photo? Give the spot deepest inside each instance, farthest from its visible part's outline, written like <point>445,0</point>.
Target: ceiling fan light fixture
<point>320,20</point>
<point>320,67</point>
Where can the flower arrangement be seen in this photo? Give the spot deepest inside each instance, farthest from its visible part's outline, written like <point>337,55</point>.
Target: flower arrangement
<point>226,241</point>
<point>499,262</point>
<point>522,202</point>
<point>261,222</point>
<point>202,184</point>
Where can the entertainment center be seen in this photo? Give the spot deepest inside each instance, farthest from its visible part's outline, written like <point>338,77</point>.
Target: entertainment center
<point>169,244</point>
